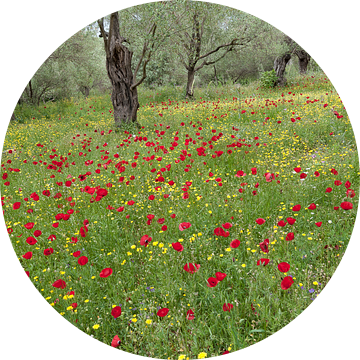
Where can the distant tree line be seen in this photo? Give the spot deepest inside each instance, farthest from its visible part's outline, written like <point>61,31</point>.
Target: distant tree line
<point>176,42</point>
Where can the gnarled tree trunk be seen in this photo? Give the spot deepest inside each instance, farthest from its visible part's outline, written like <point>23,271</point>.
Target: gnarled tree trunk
<point>85,90</point>
<point>124,95</point>
<point>304,59</point>
<point>124,98</point>
<point>279,67</point>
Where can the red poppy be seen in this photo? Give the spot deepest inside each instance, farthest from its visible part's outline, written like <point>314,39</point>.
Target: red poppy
<point>74,305</point>
<point>83,260</point>
<point>287,282</point>
<point>191,268</point>
<point>350,193</point>
<point>190,315</point>
<point>162,312</point>
<point>106,272</point>
<point>212,282</point>
<point>235,243</point>
<point>177,246</point>
<point>225,352</point>
<point>269,177</point>
<point>240,173</point>
<point>312,206</point>
<point>303,176</point>
<point>227,226</point>
<point>291,221</point>
<point>29,226</point>
<point>262,261</point>
<point>48,251</point>
<point>83,231</point>
<point>347,184</point>
<point>60,284</point>
<point>16,205</point>
<point>316,173</point>
<point>296,208</point>
<point>31,241</point>
<point>336,208</point>
<point>115,342</point>
<point>184,225</point>
<point>346,205</point>
<point>334,171</point>
<point>264,246</point>
<point>227,307</point>
<point>282,223</point>
<point>151,197</point>
<point>337,182</point>
<point>37,233</point>
<point>318,224</point>
<point>28,255</point>
<point>297,169</point>
<point>260,221</point>
<point>116,312</point>
<point>145,240</point>
<point>77,253</point>
<point>284,267</point>
<point>220,232</point>
<point>328,190</point>
<point>220,276</point>
<point>253,171</point>
<point>290,236</point>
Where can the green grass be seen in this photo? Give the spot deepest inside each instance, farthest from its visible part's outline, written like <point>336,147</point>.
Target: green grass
<point>77,134</point>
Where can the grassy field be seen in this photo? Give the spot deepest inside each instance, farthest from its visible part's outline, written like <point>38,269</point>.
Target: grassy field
<point>206,232</point>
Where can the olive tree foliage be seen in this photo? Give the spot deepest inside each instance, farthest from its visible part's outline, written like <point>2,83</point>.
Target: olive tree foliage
<point>264,50</point>
<point>158,69</point>
<point>133,20</point>
<point>201,41</point>
<point>248,62</point>
<point>208,33</point>
<point>75,66</point>
<point>91,74</point>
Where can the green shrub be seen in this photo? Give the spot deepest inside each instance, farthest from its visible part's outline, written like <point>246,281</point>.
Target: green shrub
<point>268,78</point>
<point>245,81</point>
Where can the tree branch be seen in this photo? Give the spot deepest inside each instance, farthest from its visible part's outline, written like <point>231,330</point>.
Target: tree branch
<point>143,76</point>
<point>232,43</point>
<point>103,33</point>
<point>197,38</point>
<point>202,27</point>
<point>145,47</point>
<point>214,61</point>
<point>152,32</point>
<point>183,61</point>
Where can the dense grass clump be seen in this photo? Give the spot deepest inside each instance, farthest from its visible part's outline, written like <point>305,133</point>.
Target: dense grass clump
<point>205,232</point>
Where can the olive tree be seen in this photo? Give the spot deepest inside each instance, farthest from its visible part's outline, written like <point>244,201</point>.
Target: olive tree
<point>76,65</point>
<point>142,30</point>
<point>208,32</point>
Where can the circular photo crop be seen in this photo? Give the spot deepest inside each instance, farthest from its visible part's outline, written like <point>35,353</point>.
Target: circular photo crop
<point>179,180</point>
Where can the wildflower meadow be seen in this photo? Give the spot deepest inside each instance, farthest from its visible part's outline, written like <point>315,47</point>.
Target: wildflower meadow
<point>204,232</point>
